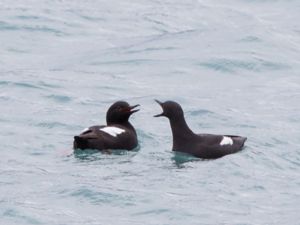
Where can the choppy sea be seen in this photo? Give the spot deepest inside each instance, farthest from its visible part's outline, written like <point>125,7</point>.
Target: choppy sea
<point>233,65</point>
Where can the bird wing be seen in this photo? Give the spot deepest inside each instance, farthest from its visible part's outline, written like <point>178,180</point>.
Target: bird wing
<point>219,145</point>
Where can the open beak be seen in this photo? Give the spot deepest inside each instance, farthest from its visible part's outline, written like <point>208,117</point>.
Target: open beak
<point>131,109</point>
<point>161,104</point>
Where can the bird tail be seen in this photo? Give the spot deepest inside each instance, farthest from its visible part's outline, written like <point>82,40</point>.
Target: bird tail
<point>79,142</point>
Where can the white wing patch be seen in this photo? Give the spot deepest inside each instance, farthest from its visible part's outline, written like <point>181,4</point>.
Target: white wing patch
<point>113,131</point>
<point>226,141</point>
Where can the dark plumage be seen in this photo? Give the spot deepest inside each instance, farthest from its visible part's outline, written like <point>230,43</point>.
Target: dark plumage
<point>117,134</point>
<point>206,146</point>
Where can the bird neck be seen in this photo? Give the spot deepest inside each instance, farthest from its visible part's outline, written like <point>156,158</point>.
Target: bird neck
<point>180,130</point>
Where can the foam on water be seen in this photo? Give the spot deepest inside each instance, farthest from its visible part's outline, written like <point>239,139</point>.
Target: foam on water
<point>234,67</point>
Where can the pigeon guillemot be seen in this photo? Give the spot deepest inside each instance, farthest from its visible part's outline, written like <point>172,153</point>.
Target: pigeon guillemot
<point>118,134</point>
<point>206,146</point>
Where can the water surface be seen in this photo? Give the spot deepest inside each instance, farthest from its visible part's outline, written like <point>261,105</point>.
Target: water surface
<point>234,67</point>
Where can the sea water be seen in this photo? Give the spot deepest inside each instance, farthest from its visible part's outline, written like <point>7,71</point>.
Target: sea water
<point>233,65</point>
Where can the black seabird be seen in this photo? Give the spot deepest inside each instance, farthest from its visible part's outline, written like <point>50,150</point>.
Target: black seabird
<point>118,134</point>
<point>205,146</point>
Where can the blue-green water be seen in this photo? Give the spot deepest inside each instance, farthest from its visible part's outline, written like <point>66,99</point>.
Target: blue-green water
<point>233,65</point>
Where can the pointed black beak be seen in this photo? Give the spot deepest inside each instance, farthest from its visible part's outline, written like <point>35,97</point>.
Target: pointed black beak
<point>161,104</point>
<point>132,108</point>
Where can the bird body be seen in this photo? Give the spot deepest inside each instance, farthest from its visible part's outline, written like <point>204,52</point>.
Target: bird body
<point>206,146</point>
<point>117,134</point>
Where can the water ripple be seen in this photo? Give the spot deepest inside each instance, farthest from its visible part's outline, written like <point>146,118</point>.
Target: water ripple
<point>20,84</point>
<point>51,125</point>
<point>250,39</point>
<point>18,216</point>
<point>232,65</point>
<point>125,62</point>
<point>199,112</point>
<point>59,98</point>
<point>4,26</point>
<point>26,85</point>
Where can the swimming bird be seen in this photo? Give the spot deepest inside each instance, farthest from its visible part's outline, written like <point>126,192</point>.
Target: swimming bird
<point>117,134</point>
<point>205,146</point>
